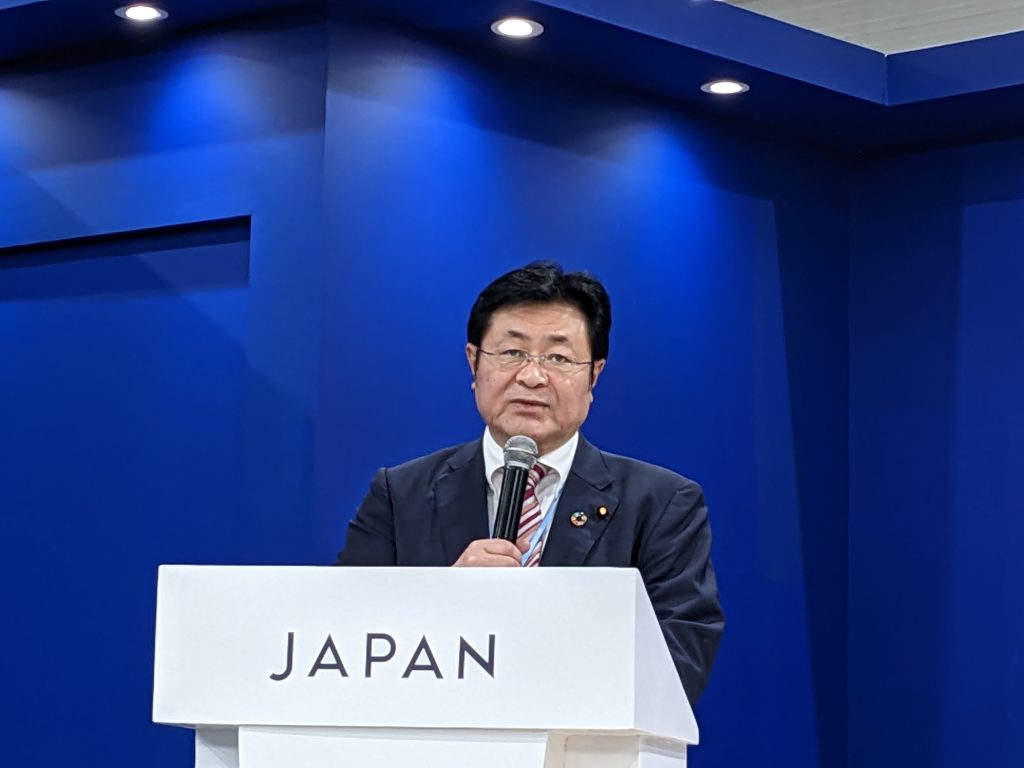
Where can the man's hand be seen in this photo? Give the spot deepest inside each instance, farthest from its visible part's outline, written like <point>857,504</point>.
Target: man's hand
<point>494,553</point>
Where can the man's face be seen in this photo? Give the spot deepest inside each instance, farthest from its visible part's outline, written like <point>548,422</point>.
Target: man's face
<point>533,401</point>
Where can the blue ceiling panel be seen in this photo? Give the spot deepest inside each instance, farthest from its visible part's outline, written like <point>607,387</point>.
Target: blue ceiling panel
<point>42,29</point>
<point>729,32</point>
<point>953,70</point>
<point>7,4</point>
<point>806,87</point>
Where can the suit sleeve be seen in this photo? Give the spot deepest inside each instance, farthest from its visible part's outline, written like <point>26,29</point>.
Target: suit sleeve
<point>371,534</point>
<point>675,563</point>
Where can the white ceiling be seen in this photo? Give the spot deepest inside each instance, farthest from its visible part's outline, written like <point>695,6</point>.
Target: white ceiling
<point>895,26</point>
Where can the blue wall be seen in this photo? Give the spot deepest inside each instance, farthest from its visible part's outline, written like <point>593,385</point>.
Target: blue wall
<point>368,181</point>
<point>158,386</point>
<point>936,441</point>
<point>726,260</point>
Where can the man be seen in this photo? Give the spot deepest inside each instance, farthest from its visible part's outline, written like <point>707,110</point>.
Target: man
<point>537,344</point>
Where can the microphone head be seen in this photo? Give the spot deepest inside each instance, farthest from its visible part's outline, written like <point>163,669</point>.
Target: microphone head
<point>521,451</point>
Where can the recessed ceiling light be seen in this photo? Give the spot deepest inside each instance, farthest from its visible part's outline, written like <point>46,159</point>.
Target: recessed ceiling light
<point>517,27</point>
<point>725,87</point>
<point>141,13</point>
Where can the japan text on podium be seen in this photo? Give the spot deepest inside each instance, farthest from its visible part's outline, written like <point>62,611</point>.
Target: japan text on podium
<point>368,667</point>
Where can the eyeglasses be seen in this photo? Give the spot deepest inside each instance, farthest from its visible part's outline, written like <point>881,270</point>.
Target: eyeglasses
<point>514,359</point>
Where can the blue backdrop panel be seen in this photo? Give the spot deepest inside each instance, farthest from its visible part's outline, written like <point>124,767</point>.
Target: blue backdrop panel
<point>936,623</point>
<point>984,566</point>
<point>124,363</point>
<point>159,389</point>
<point>426,172</point>
<point>726,261</point>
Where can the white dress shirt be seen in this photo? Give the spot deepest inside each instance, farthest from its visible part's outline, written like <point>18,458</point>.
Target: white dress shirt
<point>558,462</point>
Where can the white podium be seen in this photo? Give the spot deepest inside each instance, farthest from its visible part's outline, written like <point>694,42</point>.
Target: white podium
<point>373,667</point>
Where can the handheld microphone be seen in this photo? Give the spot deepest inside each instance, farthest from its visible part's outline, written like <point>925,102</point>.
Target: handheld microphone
<point>520,456</point>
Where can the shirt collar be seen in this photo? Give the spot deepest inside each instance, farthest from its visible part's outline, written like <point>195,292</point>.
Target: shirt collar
<point>558,460</point>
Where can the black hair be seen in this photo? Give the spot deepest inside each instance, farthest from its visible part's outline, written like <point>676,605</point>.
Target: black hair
<point>546,282</point>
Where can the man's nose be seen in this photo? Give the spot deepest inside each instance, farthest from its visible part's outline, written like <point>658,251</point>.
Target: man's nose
<point>532,374</point>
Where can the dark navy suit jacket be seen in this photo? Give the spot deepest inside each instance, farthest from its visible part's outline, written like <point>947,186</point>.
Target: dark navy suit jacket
<point>427,511</point>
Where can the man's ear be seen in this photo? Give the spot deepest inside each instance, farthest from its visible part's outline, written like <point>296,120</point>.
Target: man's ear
<point>595,372</point>
<point>473,358</point>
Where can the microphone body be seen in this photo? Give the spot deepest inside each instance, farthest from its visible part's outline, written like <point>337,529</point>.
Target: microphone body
<point>520,456</point>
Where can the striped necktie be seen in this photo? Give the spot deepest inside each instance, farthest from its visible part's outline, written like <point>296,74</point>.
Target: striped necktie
<point>530,519</point>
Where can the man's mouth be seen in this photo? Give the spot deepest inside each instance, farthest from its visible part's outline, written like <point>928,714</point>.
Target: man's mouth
<point>522,403</point>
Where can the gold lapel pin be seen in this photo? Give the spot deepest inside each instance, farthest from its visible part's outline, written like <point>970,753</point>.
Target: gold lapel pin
<point>602,511</point>
<point>578,518</point>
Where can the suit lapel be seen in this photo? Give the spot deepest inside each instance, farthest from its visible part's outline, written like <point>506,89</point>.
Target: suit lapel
<point>460,499</point>
<point>588,487</point>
